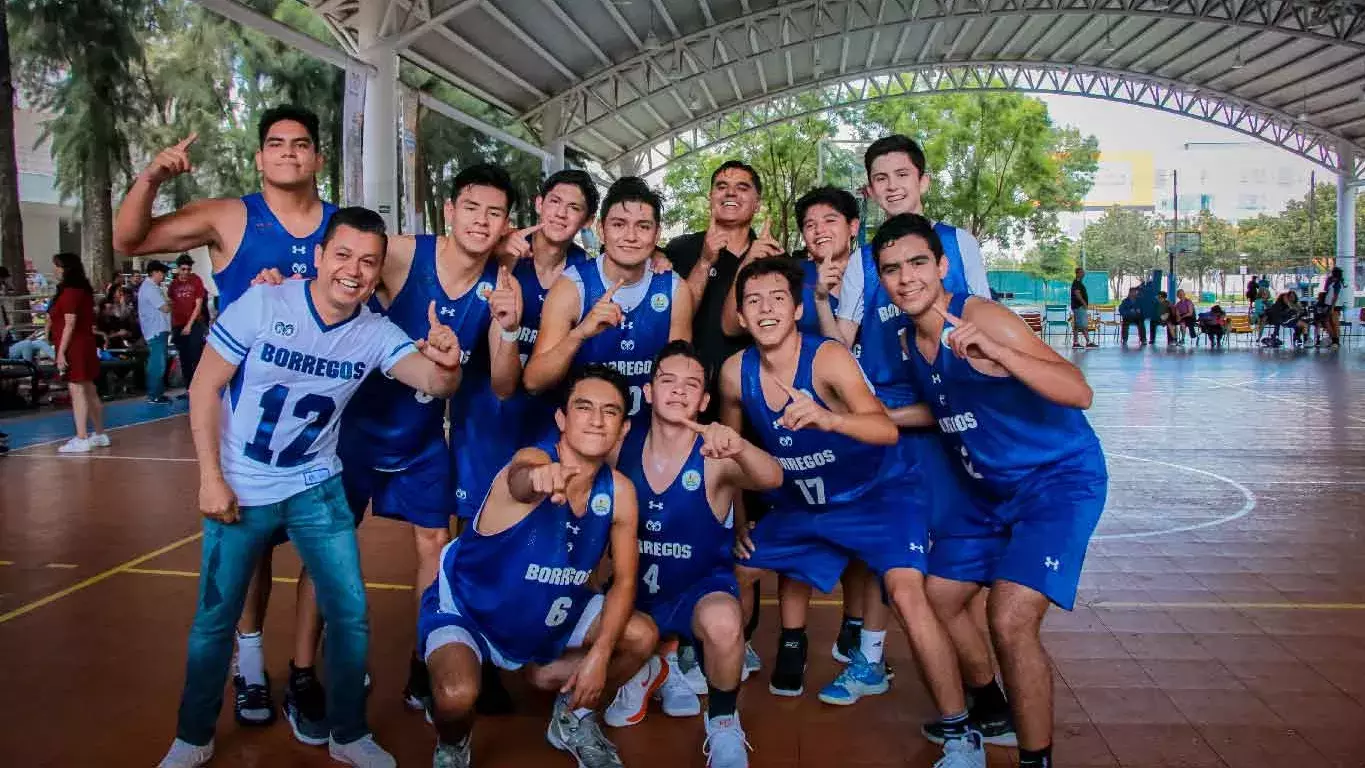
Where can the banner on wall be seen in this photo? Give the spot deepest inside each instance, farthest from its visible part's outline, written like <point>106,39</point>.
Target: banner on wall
<point>352,139</point>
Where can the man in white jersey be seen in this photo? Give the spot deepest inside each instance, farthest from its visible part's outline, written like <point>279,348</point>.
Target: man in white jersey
<point>281,364</point>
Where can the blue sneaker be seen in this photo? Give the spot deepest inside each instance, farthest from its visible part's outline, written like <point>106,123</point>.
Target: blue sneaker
<point>860,678</point>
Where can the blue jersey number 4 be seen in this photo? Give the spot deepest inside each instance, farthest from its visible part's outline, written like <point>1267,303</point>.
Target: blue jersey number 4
<point>316,409</point>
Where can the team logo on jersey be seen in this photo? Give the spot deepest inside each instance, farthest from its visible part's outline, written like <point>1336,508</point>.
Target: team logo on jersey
<point>947,331</point>
<point>446,311</point>
<point>298,250</point>
<point>422,397</point>
<point>298,268</point>
<point>281,328</point>
<point>483,290</point>
<point>461,494</point>
<point>627,345</point>
<point>654,526</point>
<point>658,302</point>
<point>785,441</point>
<point>600,504</point>
<point>691,479</point>
<point>936,379</point>
<point>942,399</point>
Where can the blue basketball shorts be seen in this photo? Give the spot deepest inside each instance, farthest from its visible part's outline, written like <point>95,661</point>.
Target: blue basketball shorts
<point>673,613</point>
<point>886,529</point>
<point>421,493</point>
<point>1037,537</point>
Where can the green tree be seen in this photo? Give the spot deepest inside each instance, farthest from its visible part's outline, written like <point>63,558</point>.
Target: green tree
<point>1123,242</point>
<point>77,59</point>
<point>11,220</point>
<point>1051,260</point>
<point>1000,168</point>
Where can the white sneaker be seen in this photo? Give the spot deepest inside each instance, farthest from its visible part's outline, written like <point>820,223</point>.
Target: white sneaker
<point>99,440</point>
<point>966,752</point>
<point>75,445</point>
<point>685,666</point>
<point>752,663</point>
<point>725,745</point>
<point>632,699</point>
<point>362,753</point>
<point>186,755</point>
<point>677,692</point>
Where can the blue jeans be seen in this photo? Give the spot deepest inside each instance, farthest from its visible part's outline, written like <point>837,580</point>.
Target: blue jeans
<point>323,530</point>
<point>156,365</point>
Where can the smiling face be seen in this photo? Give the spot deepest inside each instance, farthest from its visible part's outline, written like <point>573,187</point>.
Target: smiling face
<point>630,233</point>
<point>734,198</point>
<point>594,419</point>
<point>678,390</point>
<point>768,311</point>
<point>348,267</point>
<point>911,275</point>
<point>288,158</point>
<point>562,211</point>
<point>477,218</point>
<point>896,184</point>
<point>827,233</point>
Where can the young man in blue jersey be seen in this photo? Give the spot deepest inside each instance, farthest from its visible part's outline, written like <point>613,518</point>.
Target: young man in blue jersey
<point>280,364</point>
<point>828,218</point>
<point>615,310</point>
<point>393,439</point>
<point>513,588</point>
<point>687,576</point>
<point>842,497</point>
<point>1010,412</point>
<point>273,232</point>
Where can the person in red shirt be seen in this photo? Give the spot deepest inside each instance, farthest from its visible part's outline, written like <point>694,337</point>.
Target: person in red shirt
<point>188,316</point>
<point>71,325</point>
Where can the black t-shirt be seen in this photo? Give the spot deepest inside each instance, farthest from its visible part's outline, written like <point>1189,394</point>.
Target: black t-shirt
<point>712,343</point>
<point>1078,287</point>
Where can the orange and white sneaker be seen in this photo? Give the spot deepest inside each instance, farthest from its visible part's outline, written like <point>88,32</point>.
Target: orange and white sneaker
<point>632,700</point>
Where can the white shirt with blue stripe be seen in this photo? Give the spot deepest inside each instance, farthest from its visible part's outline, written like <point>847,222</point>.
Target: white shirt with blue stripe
<point>295,375</point>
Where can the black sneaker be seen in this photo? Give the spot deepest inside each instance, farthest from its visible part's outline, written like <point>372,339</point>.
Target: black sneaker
<point>493,696</point>
<point>252,705</point>
<point>417,693</point>
<point>789,672</point>
<point>995,728</point>
<point>305,707</point>
<point>850,636</point>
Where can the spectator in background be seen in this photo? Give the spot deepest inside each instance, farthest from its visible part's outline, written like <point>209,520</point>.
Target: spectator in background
<point>1130,313</point>
<point>1334,297</point>
<point>71,323</point>
<point>1163,316</point>
<point>1185,313</point>
<point>1080,311</point>
<point>1253,291</point>
<point>1258,309</point>
<point>189,320</point>
<point>153,314</point>
<point>113,328</point>
<point>1216,326</point>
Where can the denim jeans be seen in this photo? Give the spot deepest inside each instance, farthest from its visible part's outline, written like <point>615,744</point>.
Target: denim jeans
<point>156,365</point>
<point>323,531</point>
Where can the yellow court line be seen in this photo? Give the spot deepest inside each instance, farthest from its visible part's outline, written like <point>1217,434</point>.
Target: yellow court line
<point>6,562</point>
<point>1234,606</point>
<point>97,578</point>
<point>60,565</point>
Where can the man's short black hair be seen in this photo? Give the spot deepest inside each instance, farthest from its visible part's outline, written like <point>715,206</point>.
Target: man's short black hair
<point>681,348</point>
<point>184,260</point>
<point>297,114</point>
<point>598,371</point>
<point>632,189</point>
<point>574,178</point>
<point>905,225</point>
<point>838,199</point>
<point>485,175</point>
<point>889,145</point>
<point>743,166</point>
<point>777,265</point>
<point>155,266</point>
<point>359,218</point>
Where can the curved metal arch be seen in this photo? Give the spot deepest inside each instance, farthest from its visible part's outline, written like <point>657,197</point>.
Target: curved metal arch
<point>1216,108</point>
<point>1339,22</point>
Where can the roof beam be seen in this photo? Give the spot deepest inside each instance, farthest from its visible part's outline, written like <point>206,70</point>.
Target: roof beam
<point>454,79</point>
<point>1304,80</point>
<point>284,33</point>
<point>577,31</point>
<point>529,42</point>
<point>406,38</point>
<point>490,62</point>
<point>620,20</point>
<point>985,38</point>
<point>706,12</point>
<point>668,20</point>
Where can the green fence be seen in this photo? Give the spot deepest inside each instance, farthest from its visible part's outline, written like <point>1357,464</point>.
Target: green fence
<point>1027,288</point>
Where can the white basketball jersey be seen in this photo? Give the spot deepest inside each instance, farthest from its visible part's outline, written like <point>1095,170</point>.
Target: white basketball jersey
<point>295,375</point>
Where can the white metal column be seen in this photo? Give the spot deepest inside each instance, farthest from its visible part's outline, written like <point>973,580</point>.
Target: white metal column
<point>1346,222</point>
<point>381,135</point>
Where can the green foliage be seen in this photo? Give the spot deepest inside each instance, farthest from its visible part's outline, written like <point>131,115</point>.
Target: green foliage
<point>1001,169</point>
<point>1051,260</point>
<point>1124,243</point>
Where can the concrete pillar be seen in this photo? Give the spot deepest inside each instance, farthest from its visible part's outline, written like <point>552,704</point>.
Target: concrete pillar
<point>352,190</point>
<point>380,154</point>
<point>628,164</point>
<point>552,127</point>
<point>1346,222</point>
<point>412,217</point>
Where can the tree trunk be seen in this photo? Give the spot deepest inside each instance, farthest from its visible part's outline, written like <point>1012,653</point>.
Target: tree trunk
<point>11,220</point>
<point>97,220</point>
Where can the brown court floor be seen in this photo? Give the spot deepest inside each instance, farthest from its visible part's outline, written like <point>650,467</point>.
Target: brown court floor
<point>1221,620</point>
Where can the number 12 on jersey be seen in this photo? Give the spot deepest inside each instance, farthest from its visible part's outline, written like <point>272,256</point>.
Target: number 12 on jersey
<point>813,488</point>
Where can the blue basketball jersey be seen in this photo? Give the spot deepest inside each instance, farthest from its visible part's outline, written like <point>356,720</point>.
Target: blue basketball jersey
<point>295,374</point>
<point>499,427</point>
<point>999,430</point>
<point>630,347</point>
<point>520,584</point>
<point>818,468</point>
<point>391,422</point>
<point>810,319</point>
<point>266,244</point>
<point>681,541</point>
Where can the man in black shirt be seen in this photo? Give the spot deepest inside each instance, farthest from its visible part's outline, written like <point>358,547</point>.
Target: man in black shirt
<point>1080,311</point>
<point>710,260</point>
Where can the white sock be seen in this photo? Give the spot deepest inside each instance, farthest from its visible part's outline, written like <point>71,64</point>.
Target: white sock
<point>251,658</point>
<point>871,645</point>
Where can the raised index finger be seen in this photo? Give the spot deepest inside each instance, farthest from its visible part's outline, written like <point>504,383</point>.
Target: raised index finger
<point>947,316</point>
<point>694,426</point>
<point>188,141</point>
<point>611,292</point>
<point>431,314</point>
<point>791,391</point>
<point>530,230</point>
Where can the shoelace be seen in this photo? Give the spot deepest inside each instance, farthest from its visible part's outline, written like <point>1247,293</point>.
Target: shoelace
<point>591,744</point>
<point>309,697</point>
<point>366,749</point>
<point>255,696</point>
<point>721,737</point>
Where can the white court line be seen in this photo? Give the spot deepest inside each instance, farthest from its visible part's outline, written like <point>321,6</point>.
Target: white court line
<point>97,456</point>
<point>54,441</point>
<point>1290,400</point>
<point>1247,506</point>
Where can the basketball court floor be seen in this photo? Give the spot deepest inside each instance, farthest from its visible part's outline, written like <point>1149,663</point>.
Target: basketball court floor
<point>1221,620</point>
